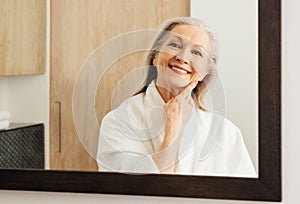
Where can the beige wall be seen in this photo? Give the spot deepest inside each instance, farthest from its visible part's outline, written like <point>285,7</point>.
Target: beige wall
<point>291,139</point>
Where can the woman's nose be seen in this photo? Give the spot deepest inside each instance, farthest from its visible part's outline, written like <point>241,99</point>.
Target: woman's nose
<point>183,57</point>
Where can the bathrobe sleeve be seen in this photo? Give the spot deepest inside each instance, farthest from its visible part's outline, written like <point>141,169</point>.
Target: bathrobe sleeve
<point>121,148</point>
<point>229,157</point>
<point>237,157</point>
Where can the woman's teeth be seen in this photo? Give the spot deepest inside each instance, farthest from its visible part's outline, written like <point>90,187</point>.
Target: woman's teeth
<point>179,70</point>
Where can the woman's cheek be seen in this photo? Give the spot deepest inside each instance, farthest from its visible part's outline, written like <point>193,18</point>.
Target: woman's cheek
<point>200,71</point>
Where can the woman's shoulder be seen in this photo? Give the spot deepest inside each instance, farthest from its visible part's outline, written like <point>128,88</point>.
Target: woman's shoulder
<point>222,133</point>
<point>126,110</point>
<point>218,120</point>
<point>132,103</point>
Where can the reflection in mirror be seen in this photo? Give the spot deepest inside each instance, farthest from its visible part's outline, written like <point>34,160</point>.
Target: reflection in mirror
<point>77,30</point>
<point>165,127</point>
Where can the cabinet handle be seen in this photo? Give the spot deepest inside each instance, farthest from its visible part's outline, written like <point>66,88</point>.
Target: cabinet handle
<point>59,125</point>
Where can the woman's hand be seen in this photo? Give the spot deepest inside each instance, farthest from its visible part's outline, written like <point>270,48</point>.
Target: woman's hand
<point>178,111</point>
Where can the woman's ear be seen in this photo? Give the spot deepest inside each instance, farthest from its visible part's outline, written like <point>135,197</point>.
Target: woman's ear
<point>154,59</point>
<point>204,75</point>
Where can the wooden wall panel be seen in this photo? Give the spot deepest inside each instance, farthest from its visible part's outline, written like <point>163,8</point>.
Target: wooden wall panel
<point>78,28</point>
<point>22,37</point>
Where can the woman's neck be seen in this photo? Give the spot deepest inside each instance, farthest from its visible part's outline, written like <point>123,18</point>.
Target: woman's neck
<point>165,94</point>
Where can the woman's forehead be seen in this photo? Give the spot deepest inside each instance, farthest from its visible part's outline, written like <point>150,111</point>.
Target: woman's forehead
<point>191,33</point>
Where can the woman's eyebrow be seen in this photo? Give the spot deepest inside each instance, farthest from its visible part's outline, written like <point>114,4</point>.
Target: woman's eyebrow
<point>198,46</point>
<point>175,36</point>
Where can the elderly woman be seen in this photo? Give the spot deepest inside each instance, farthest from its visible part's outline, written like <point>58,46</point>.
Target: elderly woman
<point>165,127</point>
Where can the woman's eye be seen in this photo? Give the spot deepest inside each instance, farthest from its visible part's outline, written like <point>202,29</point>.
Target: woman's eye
<point>174,45</point>
<point>196,52</point>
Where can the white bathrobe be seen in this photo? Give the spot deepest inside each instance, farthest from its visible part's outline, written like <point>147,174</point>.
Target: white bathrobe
<point>131,134</point>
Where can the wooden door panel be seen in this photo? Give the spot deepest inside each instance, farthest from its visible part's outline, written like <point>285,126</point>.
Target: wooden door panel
<point>77,28</point>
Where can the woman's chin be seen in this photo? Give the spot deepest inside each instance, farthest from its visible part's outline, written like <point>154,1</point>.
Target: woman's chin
<point>176,88</point>
<point>180,83</point>
<point>174,84</point>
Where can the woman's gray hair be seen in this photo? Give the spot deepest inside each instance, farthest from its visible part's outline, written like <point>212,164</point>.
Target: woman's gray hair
<point>212,59</point>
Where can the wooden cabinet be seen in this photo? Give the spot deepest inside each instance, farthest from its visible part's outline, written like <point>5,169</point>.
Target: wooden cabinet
<point>22,37</point>
<point>77,29</point>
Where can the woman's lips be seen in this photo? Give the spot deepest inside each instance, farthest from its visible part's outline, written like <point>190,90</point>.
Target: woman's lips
<point>179,70</point>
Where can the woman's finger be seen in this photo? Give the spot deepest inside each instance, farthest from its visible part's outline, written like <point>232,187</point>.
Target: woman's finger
<point>186,93</point>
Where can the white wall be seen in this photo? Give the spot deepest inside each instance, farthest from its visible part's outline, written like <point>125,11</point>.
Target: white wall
<point>3,94</point>
<point>24,97</point>
<point>235,23</point>
<point>290,136</point>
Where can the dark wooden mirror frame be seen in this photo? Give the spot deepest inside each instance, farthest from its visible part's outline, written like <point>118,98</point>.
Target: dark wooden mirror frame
<point>265,188</point>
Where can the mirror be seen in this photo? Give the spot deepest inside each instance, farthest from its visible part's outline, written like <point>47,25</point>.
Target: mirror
<point>266,187</point>
<point>62,84</point>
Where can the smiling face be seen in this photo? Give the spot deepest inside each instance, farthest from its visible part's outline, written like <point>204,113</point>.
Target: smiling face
<point>182,58</point>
